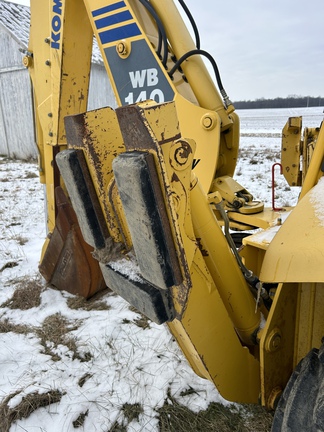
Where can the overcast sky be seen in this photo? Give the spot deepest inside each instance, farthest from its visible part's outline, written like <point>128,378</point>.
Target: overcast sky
<point>263,48</point>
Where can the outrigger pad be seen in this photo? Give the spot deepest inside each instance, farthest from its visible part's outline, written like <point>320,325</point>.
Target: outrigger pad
<point>154,303</point>
<point>143,203</point>
<point>75,173</point>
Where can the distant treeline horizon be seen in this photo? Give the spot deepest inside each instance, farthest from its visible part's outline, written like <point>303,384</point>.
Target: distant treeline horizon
<point>279,102</point>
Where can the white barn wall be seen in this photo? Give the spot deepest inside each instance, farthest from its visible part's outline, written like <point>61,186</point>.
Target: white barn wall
<point>100,91</point>
<point>16,120</point>
<point>16,115</point>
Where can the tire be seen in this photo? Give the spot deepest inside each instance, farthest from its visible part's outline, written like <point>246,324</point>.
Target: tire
<point>301,406</point>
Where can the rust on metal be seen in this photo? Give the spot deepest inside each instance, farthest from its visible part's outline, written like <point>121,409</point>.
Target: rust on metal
<point>97,133</point>
<point>68,263</point>
<point>203,251</point>
<point>136,131</point>
<point>143,131</point>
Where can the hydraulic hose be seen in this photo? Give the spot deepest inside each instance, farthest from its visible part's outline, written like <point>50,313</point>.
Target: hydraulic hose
<point>192,22</point>
<point>161,32</point>
<point>214,65</point>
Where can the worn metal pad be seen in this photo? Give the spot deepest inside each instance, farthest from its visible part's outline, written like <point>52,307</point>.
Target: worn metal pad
<point>146,216</point>
<point>75,173</point>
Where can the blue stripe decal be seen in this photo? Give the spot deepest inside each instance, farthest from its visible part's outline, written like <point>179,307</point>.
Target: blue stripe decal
<point>126,31</point>
<point>109,8</point>
<point>113,19</point>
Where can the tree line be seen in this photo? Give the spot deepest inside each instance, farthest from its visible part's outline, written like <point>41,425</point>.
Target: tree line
<point>279,102</point>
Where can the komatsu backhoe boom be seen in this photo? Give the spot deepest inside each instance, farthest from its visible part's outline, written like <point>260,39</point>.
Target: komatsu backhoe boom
<point>142,199</point>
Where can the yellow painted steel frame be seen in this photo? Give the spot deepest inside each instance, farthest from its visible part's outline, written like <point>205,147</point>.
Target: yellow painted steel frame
<point>291,256</point>
<point>61,44</point>
<point>59,69</point>
<point>217,324</point>
<point>216,320</point>
<point>61,47</point>
<point>200,108</point>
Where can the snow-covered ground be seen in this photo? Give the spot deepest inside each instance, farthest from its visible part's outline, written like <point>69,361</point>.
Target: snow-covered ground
<point>116,360</point>
<point>260,147</point>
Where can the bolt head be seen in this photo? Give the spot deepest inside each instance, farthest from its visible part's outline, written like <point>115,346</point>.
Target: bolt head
<point>209,121</point>
<point>273,341</point>
<point>27,61</point>
<point>123,49</point>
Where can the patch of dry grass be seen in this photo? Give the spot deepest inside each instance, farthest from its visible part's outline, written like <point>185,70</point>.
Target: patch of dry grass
<point>30,175</point>
<point>257,418</point>
<point>118,428</point>
<point>54,332</point>
<point>26,295</point>
<point>131,412</point>
<point>20,239</point>
<point>6,326</point>
<point>26,407</point>
<point>174,417</point>
<point>142,321</point>
<point>9,264</point>
<point>94,303</point>
<point>79,422</point>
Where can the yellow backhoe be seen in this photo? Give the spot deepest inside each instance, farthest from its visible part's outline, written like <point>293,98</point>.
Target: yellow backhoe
<point>141,199</point>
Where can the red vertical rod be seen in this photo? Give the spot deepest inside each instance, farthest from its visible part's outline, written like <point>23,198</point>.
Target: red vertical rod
<point>273,185</point>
